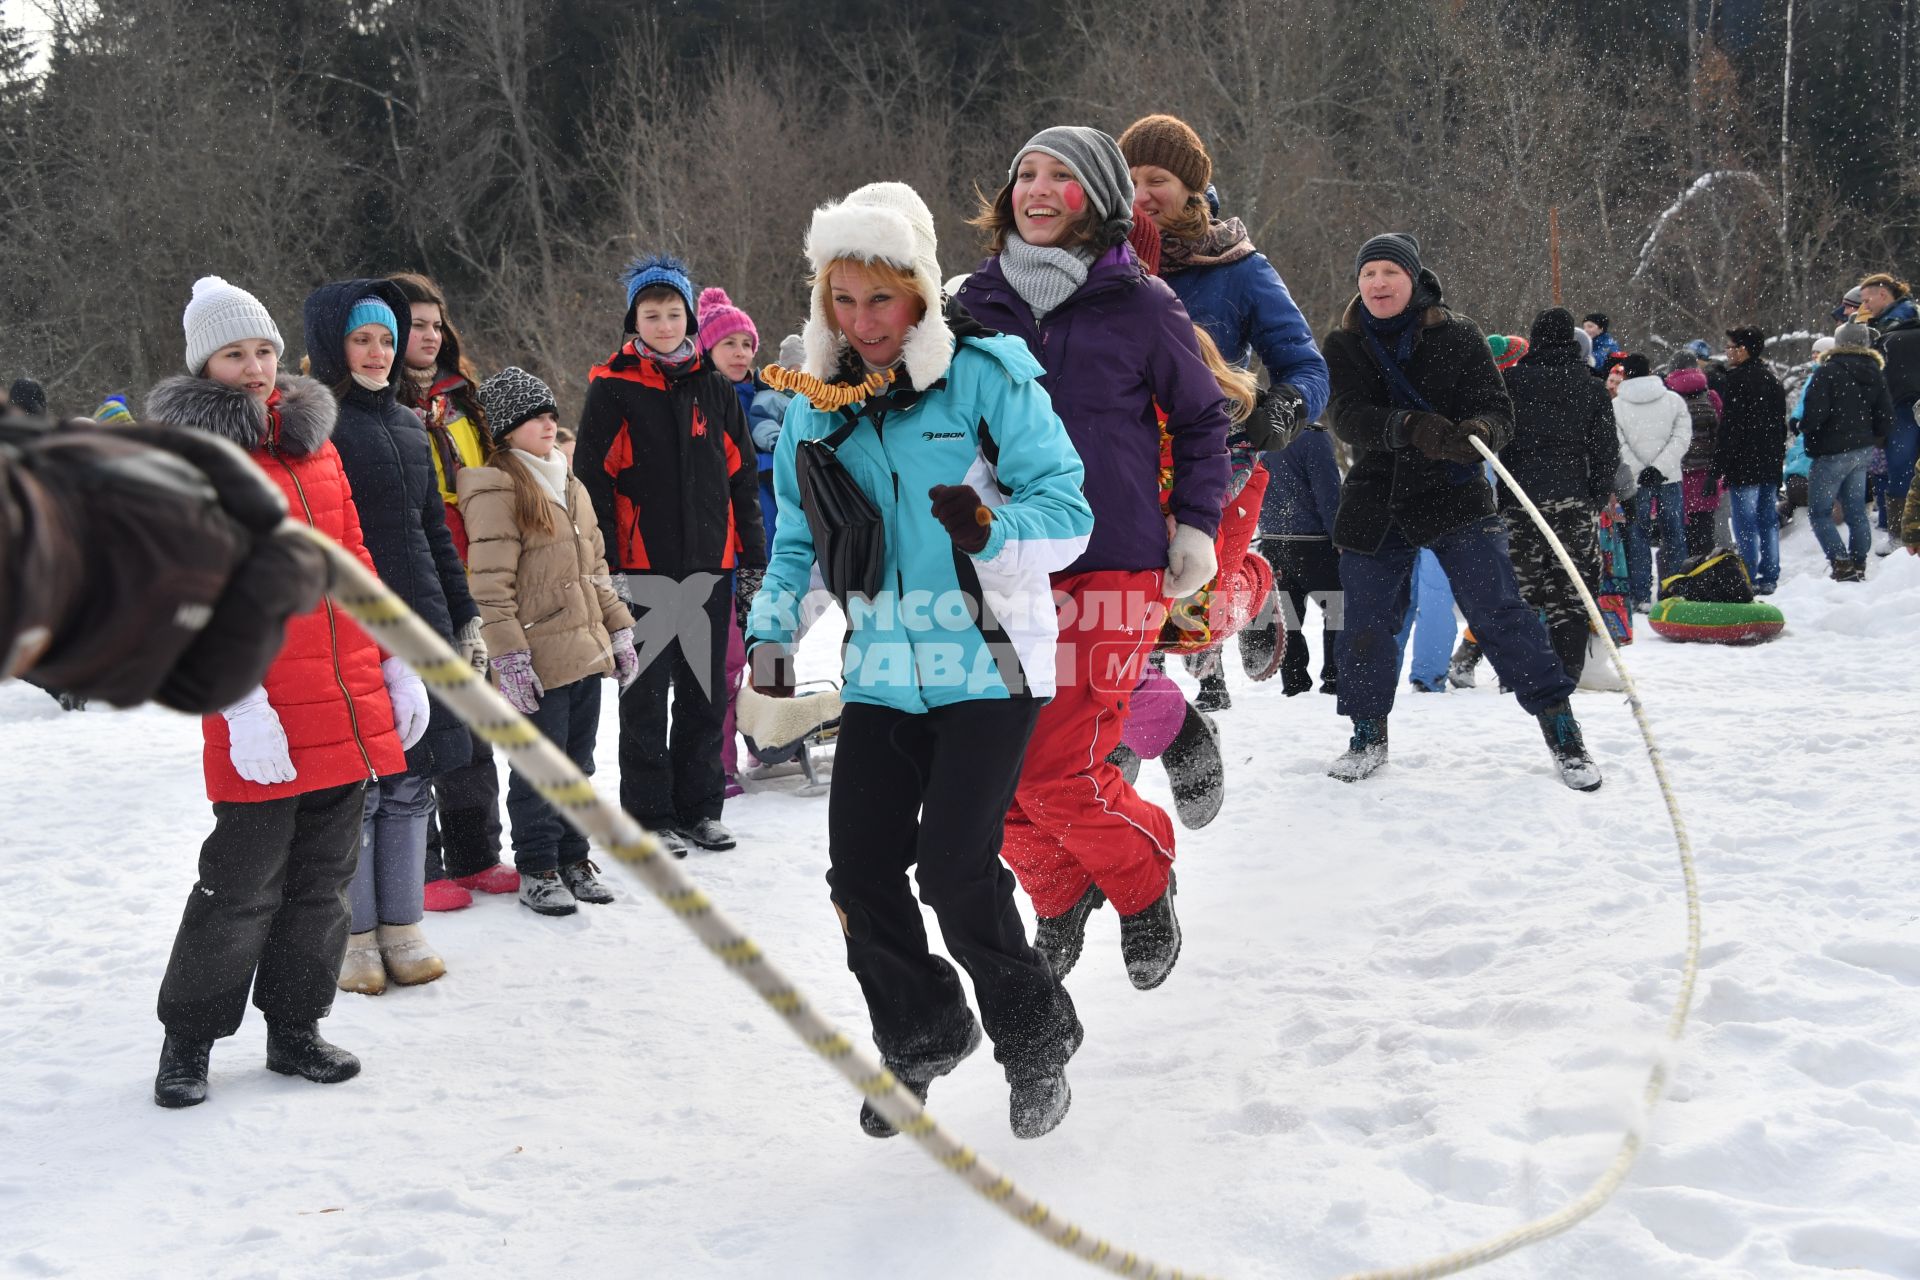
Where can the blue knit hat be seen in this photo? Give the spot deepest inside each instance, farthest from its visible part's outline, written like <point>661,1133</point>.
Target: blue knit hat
<point>659,268</point>
<point>371,310</point>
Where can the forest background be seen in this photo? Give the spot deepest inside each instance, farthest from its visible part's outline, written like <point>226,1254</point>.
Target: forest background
<point>1710,162</point>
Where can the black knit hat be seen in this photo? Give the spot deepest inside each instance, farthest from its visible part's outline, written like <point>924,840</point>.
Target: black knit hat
<point>1397,247</point>
<point>27,396</point>
<point>1749,337</point>
<point>1636,366</point>
<point>512,396</point>
<point>1555,324</point>
<point>1596,317</point>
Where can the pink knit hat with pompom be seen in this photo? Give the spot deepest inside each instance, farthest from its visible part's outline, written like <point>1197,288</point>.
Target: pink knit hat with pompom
<point>719,318</point>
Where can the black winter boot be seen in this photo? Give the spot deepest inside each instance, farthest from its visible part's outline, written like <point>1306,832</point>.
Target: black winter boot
<point>1213,695</point>
<point>298,1050</point>
<point>1262,644</point>
<point>1465,658</point>
<point>182,1078</point>
<point>1366,751</point>
<point>1059,938</point>
<point>1562,732</point>
<point>918,1076</point>
<point>1150,940</point>
<point>1195,770</point>
<point>1570,646</point>
<point>1127,761</point>
<point>1038,1097</point>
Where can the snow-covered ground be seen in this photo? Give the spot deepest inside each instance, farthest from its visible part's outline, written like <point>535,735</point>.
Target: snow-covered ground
<point>1409,1013</point>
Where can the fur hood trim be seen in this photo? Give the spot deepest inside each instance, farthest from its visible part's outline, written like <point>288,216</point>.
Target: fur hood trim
<point>885,221</point>
<point>307,412</point>
<point>1877,357</point>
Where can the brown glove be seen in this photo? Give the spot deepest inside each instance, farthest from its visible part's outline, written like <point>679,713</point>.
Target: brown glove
<point>1427,432</point>
<point>958,507</point>
<point>1459,444</point>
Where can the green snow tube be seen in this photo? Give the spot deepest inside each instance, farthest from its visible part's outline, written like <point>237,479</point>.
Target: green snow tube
<point>1709,622</point>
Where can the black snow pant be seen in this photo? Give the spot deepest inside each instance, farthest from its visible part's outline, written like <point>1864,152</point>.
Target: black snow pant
<point>463,836</point>
<point>1303,569</point>
<point>672,781</point>
<point>933,789</point>
<point>269,912</point>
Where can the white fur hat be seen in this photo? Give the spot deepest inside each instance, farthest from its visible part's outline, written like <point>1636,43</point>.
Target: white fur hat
<point>882,221</point>
<point>220,313</point>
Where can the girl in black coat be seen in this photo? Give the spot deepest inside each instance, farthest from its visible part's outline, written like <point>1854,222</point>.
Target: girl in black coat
<point>1413,386</point>
<point>356,334</point>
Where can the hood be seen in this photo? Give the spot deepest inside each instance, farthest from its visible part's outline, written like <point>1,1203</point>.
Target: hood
<point>1686,382</point>
<point>307,411</point>
<point>325,319</point>
<point>1644,390</point>
<point>1855,358</point>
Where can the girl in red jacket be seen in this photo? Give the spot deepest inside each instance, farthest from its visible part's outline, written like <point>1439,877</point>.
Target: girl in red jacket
<point>287,766</point>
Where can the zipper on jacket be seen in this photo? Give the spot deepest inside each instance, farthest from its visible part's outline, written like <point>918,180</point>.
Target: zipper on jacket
<point>333,627</point>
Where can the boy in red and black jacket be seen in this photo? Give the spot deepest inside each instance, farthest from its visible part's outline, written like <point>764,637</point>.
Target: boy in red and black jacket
<point>665,455</point>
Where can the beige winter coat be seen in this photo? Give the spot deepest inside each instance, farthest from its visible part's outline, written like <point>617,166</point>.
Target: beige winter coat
<point>547,593</point>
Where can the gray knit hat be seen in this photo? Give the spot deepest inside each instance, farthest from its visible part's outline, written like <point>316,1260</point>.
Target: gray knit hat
<point>512,396</point>
<point>1857,336</point>
<point>1397,247</point>
<point>220,313</point>
<point>1096,160</point>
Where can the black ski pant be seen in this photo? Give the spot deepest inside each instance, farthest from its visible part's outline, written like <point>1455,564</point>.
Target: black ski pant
<point>463,836</point>
<point>1307,569</point>
<point>933,789</point>
<point>670,778</point>
<point>268,912</point>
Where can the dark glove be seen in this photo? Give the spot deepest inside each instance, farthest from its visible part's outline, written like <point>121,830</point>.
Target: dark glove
<point>1430,433</point>
<point>1459,445</point>
<point>770,670</point>
<point>1650,478</point>
<point>746,585</point>
<point>185,579</point>
<point>957,506</point>
<point>1279,413</point>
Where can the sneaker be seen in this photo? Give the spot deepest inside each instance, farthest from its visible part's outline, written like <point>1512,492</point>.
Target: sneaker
<point>1127,761</point>
<point>581,881</point>
<point>1196,771</point>
<point>498,878</point>
<point>1460,671</point>
<point>1150,940</point>
<point>361,969</point>
<point>181,1080</point>
<point>544,893</point>
<point>445,895</point>
<point>1060,938</point>
<point>708,833</point>
<point>1562,733</point>
<point>1366,751</point>
<point>1213,695</point>
<point>918,1077</point>
<point>297,1050</point>
<point>409,959</point>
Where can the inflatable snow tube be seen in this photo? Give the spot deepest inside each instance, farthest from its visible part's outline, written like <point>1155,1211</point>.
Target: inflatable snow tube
<point>1716,623</point>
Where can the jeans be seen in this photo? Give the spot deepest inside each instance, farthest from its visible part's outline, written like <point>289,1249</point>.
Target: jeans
<point>1430,622</point>
<point>1673,538</point>
<point>543,841</point>
<point>389,883</point>
<point>1842,475</point>
<point>1480,570</point>
<point>1756,530</point>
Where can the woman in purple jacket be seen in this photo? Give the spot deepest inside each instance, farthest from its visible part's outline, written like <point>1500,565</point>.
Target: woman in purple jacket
<point>1119,352</point>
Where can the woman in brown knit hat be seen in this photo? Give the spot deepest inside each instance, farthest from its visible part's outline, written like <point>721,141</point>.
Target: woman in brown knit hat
<point>1231,291</point>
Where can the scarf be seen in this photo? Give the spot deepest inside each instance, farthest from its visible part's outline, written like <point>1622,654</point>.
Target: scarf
<point>362,381</point>
<point>1223,243</point>
<point>1044,277</point>
<point>1401,331</point>
<point>674,361</point>
<point>551,471</point>
<point>434,394</point>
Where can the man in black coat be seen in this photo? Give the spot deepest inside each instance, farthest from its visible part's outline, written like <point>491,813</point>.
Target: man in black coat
<point>1751,453</point>
<point>1847,412</point>
<point>1414,387</point>
<point>1564,453</point>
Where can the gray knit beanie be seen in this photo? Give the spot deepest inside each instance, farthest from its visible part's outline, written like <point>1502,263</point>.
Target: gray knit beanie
<point>1096,160</point>
<point>1397,247</point>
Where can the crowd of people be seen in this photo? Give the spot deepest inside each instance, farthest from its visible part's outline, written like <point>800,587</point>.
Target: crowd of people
<point>1029,488</point>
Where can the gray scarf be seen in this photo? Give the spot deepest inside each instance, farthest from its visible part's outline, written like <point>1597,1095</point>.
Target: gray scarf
<point>1044,277</point>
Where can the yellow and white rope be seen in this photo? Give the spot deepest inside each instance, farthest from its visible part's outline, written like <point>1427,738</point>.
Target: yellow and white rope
<point>554,776</point>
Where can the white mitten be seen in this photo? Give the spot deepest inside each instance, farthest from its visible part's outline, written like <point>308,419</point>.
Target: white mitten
<point>256,742</point>
<point>409,697</point>
<point>1190,563</point>
<point>472,648</point>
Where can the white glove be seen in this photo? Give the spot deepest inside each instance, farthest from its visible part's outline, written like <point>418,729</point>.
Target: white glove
<point>1190,563</point>
<point>409,696</point>
<point>472,648</point>
<point>256,742</point>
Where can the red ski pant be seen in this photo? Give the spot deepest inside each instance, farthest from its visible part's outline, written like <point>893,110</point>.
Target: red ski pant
<point>1074,820</point>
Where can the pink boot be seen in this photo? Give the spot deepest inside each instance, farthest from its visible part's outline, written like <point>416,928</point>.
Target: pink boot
<point>445,895</point>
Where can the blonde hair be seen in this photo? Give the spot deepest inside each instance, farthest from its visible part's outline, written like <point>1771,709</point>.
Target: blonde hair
<point>888,274</point>
<point>1193,220</point>
<point>1238,385</point>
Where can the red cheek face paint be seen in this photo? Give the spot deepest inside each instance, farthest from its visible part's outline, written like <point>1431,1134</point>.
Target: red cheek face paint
<point>1075,197</point>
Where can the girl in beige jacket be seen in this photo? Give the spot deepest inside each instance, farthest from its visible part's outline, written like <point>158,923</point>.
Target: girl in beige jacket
<point>549,615</point>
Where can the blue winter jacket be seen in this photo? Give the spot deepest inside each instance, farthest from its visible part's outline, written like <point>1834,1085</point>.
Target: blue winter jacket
<point>764,416</point>
<point>1603,346</point>
<point>1303,488</point>
<point>950,626</point>
<point>1245,308</point>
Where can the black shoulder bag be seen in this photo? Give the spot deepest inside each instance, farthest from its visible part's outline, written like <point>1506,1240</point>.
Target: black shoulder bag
<point>849,536</point>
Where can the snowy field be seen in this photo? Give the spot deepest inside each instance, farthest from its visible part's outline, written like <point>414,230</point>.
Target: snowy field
<point>1409,1013</point>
